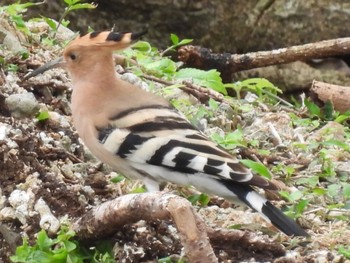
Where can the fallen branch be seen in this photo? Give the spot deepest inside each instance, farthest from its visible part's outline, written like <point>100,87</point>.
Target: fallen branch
<point>226,63</point>
<point>107,218</point>
<point>337,95</point>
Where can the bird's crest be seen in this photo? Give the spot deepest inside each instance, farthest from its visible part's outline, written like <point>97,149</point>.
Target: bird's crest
<point>106,39</point>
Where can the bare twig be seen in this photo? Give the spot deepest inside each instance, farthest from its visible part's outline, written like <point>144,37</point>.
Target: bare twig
<point>278,98</point>
<point>276,137</point>
<point>202,94</point>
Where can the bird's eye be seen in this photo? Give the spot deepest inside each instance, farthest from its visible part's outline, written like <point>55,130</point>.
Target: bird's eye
<point>72,56</point>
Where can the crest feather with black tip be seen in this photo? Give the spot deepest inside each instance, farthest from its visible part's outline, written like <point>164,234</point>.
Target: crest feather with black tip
<point>117,40</point>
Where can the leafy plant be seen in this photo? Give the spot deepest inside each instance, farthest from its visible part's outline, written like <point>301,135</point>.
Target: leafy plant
<point>43,116</point>
<point>12,67</point>
<point>327,112</point>
<point>199,199</point>
<point>117,179</point>
<point>345,251</point>
<point>176,42</point>
<point>259,86</point>
<point>230,140</point>
<point>210,79</point>
<point>257,168</point>
<point>15,12</point>
<point>299,203</point>
<point>71,5</point>
<point>59,250</point>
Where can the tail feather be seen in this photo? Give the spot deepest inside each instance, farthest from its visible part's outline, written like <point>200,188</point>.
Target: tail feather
<point>247,195</point>
<point>281,221</point>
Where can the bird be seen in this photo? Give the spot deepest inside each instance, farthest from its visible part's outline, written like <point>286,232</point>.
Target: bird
<point>142,136</point>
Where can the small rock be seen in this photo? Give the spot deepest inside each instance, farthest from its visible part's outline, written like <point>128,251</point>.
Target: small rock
<point>63,121</point>
<point>7,213</point>
<point>22,105</point>
<point>19,200</point>
<point>5,130</point>
<point>47,220</point>
<point>39,28</point>
<point>10,39</point>
<point>135,80</point>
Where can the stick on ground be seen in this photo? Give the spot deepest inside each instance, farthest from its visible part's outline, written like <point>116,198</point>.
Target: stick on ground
<point>107,218</point>
<point>226,63</point>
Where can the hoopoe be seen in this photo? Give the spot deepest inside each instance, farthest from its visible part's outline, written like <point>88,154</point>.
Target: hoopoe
<point>142,136</point>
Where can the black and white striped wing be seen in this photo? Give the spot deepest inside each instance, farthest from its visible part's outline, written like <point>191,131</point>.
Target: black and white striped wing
<point>159,136</point>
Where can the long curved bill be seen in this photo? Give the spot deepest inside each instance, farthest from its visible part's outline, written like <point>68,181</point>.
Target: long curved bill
<point>49,65</point>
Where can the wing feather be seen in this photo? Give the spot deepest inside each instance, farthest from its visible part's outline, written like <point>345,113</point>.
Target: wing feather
<point>168,140</point>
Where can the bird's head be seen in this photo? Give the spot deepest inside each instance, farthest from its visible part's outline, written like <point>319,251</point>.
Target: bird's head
<point>81,49</point>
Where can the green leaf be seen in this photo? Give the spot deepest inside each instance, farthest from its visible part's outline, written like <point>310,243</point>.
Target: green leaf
<point>291,197</point>
<point>300,207</point>
<point>43,116</point>
<point>328,110</point>
<point>346,191</point>
<point>22,252</point>
<point>319,191</point>
<point>138,190</point>
<point>258,85</point>
<point>184,42</point>
<point>204,199</point>
<point>340,144</point>
<point>41,256</point>
<point>18,8</point>
<point>345,251</point>
<point>43,241</point>
<point>341,118</point>
<point>311,181</point>
<point>165,260</point>
<point>210,79</point>
<point>257,167</point>
<point>12,67</point>
<point>117,179</point>
<point>174,39</point>
<point>65,22</point>
<point>82,6</point>
<point>213,104</point>
<point>313,109</point>
<point>24,54</point>
<point>201,199</point>
<point>71,2</point>
<point>60,250</point>
<point>230,140</point>
<point>51,23</point>
<point>18,19</point>
<point>333,190</point>
<point>235,226</point>
<point>160,67</point>
<point>142,46</point>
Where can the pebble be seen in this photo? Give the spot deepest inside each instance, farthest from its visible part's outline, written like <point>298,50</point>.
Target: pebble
<point>22,104</point>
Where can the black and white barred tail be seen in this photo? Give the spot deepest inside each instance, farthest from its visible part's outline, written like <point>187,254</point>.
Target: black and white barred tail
<point>251,198</point>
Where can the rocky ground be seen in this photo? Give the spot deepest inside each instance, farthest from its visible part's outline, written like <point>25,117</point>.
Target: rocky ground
<point>49,177</point>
